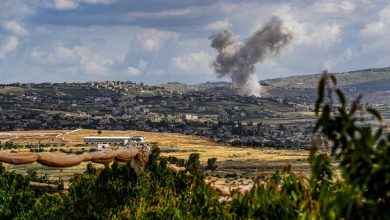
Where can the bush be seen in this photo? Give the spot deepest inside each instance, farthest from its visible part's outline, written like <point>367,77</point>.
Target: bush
<point>16,198</point>
<point>211,164</point>
<point>363,152</point>
<point>231,175</point>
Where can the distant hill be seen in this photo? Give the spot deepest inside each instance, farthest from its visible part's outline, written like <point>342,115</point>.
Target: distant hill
<point>210,85</point>
<point>373,84</point>
<point>359,77</point>
<point>366,79</point>
<point>177,86</point>
<point>202,86</point>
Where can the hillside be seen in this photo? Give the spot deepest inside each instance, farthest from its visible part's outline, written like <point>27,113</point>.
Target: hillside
<point>373,84</point>
<point>182,87</point>
<point>344,78</point>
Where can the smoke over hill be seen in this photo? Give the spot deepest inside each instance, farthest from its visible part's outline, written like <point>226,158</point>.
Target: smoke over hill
<point>237,60</point>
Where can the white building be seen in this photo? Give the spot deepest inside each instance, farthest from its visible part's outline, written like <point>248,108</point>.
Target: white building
<point>137,139</point>
<point>107,140</point>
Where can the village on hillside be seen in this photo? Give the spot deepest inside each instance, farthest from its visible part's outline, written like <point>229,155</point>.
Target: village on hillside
<point>114,105</point>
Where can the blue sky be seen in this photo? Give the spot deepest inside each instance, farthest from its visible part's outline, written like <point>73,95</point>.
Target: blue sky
<point>157,41</point>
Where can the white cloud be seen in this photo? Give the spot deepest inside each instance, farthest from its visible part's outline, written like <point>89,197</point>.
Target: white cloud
<point>382,61</point>
<point>153,39</point>
<point>333,6</point>
<point>347,6</point>
<point>60,55</point>
<point>345,56</point>
<point>95,2</point>
<point>15,10</point>
<point>218,25</point>
<point>174,13</point>
<point>65,4</point>
<point>88,62</point>
<point>318,34</point>
<point>381,26</point>
<point>10,45</point>
<point>323,35</point>
<point>15,28</point>
<point>132,71</point>
<point>29,8</point>
<point>136,71</point>
<point>193,63</point>
<point>158,72</point>
<point>323,31</point>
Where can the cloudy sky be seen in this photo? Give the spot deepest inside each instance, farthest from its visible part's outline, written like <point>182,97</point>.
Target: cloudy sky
<point>157,41</point>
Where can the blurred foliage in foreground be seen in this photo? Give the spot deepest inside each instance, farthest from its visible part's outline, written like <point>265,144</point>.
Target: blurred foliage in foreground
<point>362,191</point>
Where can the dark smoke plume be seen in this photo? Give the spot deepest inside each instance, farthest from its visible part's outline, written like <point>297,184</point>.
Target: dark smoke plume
<point>238,60</point>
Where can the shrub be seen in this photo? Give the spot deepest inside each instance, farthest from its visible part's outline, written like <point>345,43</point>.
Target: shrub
<point>211,164</point>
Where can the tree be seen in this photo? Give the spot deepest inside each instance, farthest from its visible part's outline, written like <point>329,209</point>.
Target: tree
<point>363,152</point>
<point>211,164</point>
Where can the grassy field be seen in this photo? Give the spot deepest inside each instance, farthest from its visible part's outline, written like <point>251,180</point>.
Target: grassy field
<point>11,89</point>
<point>26,137</point>
<point>246,163</point>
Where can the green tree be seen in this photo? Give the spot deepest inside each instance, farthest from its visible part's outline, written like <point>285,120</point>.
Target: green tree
<point>363,152</point>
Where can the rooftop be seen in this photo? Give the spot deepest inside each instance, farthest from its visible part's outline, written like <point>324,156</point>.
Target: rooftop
<point>103,137</point>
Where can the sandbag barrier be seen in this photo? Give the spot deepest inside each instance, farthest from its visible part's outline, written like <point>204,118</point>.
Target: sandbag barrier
<point>43,185</point>
<point>140,157</point>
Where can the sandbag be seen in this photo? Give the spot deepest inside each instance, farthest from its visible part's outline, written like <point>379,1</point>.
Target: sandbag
<point>222,191</point>
<point>87,157</point>
<point>42,185</point>
<point>18,158</point>
<point>103,158</point>
<point>124,155</point>
<point>140,160</point>
<point>175,168</point>
<point>60,160</point>
<point>245,189</point>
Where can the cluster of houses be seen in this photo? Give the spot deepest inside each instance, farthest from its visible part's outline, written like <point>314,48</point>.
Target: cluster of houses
<point>217,113</point>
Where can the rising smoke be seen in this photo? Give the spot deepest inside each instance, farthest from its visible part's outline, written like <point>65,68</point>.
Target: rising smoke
<point>238,60</point>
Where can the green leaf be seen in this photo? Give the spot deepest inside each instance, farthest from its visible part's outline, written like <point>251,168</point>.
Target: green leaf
<point>375,113</point>
<point>354,105</point>
<point>341,97</point>
<point>334,80</point>
<point>321,92</point>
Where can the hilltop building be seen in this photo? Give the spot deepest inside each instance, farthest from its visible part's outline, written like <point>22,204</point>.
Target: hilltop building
<point>105,142</point>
